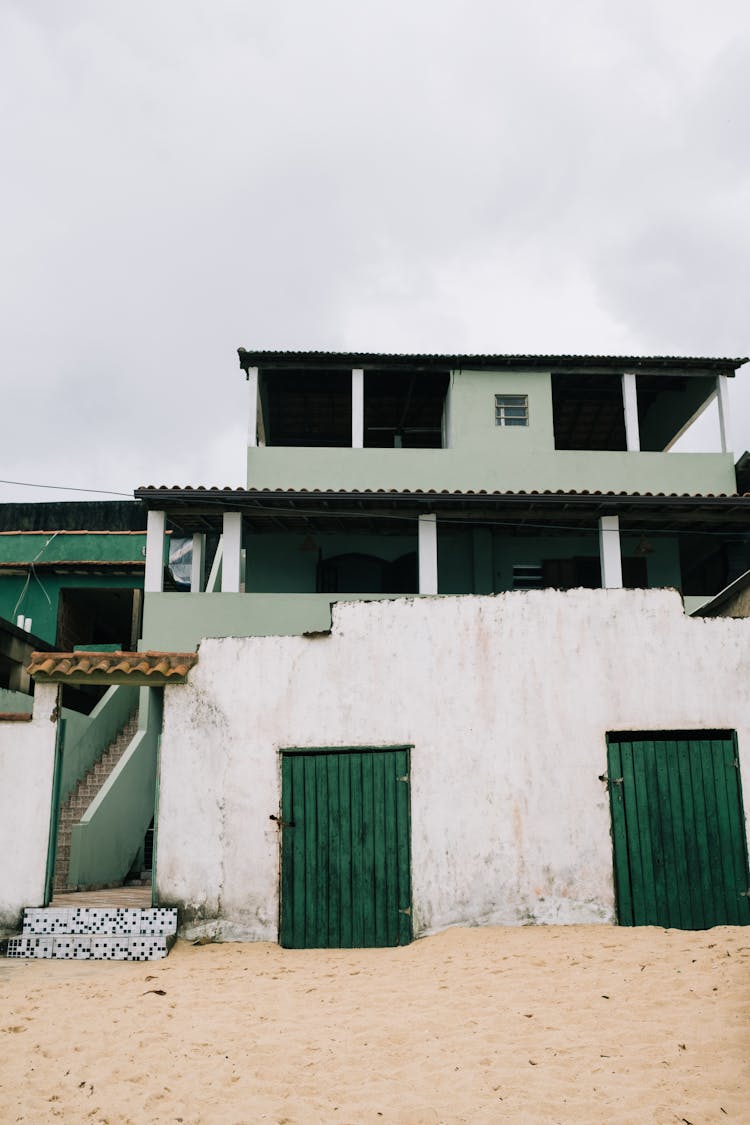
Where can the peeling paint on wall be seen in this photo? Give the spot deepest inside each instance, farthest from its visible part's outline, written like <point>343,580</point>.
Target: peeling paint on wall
<point>506,701</point>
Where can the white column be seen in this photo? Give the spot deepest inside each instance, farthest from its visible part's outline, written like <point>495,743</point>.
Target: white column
<point>427,553</point>
<point>722,397</point>
<point>230,566</point>
<point>252,415</point>
<point>609,552</point>
<point>153,580</point>
<point>630,402</point>
<point>358,408</point>
<point>198,564</point>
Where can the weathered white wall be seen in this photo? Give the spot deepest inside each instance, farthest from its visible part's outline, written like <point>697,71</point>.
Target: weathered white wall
<point>27,756</point>
<point>506,701</point>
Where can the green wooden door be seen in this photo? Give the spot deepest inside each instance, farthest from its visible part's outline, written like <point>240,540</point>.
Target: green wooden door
<point>678,830</point>
<point>345,848</point>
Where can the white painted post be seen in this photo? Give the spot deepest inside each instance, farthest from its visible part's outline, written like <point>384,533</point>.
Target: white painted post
<point>213,585</point>
<point>427,553</point>
<point>252,417</point>
<point>153,579</point>
<point>722,397</point>
<point>630,402</point>
<point>609,552</point>
<point>197,566</point>
<point>358,408</point>
<point>230,566</point>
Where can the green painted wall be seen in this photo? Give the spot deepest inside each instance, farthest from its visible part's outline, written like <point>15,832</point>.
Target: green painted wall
<point>483,455</point>
<point>480,561</point>
<point>72,547</point>
<point>41,598</point>
<point>283,564</point>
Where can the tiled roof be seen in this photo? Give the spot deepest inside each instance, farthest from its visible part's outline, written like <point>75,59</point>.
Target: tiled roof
<point>193,510</point>
<point>153,669</point>
<point>258,358</point>
<point>229,492</point>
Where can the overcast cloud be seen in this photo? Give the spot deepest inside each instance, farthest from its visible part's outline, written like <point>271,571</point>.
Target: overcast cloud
<point>180,178</point>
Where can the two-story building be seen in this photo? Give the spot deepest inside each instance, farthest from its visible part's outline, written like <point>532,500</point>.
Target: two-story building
<point>378,475</point>
<point>436,665</point>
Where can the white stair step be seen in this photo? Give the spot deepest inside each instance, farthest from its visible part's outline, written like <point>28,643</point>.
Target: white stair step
<point>91,947</point>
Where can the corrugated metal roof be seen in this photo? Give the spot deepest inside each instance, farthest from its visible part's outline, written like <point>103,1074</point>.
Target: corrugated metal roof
<point>282,359</point>
<point>152,668</point>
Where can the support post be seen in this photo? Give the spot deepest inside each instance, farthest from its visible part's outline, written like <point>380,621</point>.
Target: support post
<point>153,579</point>
<point>427,553</point>
<point>722,397</point>
<point>358,408</point>
<point>252,416</point>
<point>609,552</point>
<point>230,566</point>
<point>630,403</point>
<point>197,566</point>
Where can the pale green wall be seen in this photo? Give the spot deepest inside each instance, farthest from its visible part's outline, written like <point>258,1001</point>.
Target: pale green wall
<point>178,622</point>
<point>15,701</point>
<point>87,736</point>
<point>106,841</point>
<point>483,455</point>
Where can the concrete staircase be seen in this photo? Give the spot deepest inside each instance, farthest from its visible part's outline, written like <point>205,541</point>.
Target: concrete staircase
<point>95,934</point>
<point>79,800</point>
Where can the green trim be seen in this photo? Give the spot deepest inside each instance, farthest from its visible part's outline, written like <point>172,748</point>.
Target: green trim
<point>345,749</point>
<point>49,877</point>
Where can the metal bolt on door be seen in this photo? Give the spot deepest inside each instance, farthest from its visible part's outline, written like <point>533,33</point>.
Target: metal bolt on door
<point>345,849</point>
<point>678,830</point>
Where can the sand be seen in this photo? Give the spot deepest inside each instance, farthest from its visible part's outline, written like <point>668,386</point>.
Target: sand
<point>560,1024</point>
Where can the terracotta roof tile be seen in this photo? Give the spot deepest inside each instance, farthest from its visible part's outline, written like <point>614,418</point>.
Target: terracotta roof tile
<point>152,669</point>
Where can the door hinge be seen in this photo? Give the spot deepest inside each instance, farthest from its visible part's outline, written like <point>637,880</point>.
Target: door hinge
<point>404,778</point>
<point>745,894</point>
<point>282,823</point>
<point>405,910</point>
<point>610,780</point>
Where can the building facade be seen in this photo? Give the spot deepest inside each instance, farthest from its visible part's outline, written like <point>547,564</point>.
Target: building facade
<point>436,663</point>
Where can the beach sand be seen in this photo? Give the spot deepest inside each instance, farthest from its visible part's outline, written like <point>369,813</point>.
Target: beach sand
<point>537,1024</point>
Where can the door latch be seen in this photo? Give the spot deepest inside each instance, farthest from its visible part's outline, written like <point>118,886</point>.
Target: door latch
<point>282,823</point>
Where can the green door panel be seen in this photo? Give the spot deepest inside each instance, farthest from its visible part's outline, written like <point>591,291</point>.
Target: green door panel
<point>678,830</point>
<point>345,848</point>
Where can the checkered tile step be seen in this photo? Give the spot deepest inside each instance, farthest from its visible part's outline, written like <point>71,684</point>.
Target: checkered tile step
<point>82,934</point>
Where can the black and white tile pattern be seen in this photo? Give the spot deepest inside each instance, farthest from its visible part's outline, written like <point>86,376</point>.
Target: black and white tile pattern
<point>86,933</point>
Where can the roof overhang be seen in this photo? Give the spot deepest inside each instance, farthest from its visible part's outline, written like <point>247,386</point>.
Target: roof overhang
<point>139,669</point>
<point>285,360</point>
<point>201,509</point>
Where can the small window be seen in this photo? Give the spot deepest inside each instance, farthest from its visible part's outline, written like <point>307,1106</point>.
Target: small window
<point>527,576</point>
<point>511,410</point>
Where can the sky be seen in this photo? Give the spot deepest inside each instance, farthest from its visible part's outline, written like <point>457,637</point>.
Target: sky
<point>183,178</point>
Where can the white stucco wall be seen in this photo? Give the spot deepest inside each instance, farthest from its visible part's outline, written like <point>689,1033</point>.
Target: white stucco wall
<point>27,756</point>
<point>506,701</point>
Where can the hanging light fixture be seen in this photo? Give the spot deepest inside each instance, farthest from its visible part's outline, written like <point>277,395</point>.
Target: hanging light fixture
<point>644,548</point>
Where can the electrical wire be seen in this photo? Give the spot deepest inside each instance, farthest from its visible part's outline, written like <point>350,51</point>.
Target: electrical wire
<point>66,488</point>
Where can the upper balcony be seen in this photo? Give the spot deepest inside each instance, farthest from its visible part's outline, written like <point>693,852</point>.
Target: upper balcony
<point>460,423</point>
